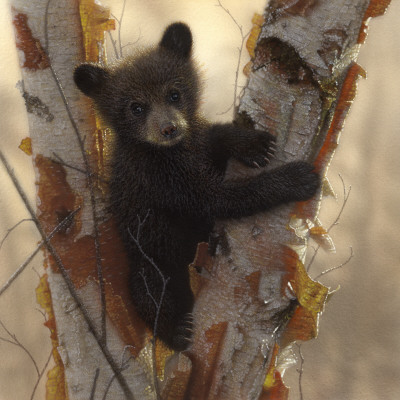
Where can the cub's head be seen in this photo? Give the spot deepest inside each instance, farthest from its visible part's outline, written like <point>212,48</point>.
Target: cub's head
<point>152,96</point>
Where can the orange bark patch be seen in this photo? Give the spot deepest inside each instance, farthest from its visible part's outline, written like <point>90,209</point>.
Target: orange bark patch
<point>311,296</point>
<point>348,91</point>
<point>302,326</point>
<point>177,378</point>
<point>202,260</point>
<point>57,200</point>
<point>35,56</point>
<point>274,388</point>
<point>299,7</point>
<point>162,354</point>
<point>254,283</point>
<point>55,386</point>
<point>375,9</point>
<point>201,382</point>
<point>81,255</point>
<point>346,98</point>
<point>277,8</point>
<point>277,392</point>
<point>248,289</point>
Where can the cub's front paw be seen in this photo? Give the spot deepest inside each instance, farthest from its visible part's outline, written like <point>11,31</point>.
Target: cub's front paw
<point>302,180</point>
<point>182,337</point>
<point>255,149</point>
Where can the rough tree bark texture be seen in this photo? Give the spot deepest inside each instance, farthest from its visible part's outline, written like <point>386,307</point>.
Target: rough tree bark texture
<point>301,84</point>
<point>255,296</point>
<point>52,37</point>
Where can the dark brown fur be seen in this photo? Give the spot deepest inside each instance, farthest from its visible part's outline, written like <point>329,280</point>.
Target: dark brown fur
<point>169,165</point>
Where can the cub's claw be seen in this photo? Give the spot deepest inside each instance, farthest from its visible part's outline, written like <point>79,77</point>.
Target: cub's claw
<point>255,148</point>
<point>183,333</point>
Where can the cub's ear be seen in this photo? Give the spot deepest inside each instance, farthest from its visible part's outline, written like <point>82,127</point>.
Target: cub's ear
<point>90,78</point>
<point>178,38</point>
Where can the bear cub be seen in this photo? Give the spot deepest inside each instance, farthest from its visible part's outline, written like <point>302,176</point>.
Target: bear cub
<point>167,185</point>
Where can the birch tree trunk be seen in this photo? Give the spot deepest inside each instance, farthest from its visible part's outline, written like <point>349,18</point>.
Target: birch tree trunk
<point>254,297</point>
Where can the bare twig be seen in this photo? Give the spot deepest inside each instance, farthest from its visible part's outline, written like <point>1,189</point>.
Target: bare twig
<point>114,44</point>
<point>14,340</point>
<point>240,50</point>
<point>11,229</point>
<point>108,387</point>
<point>103,334</point>
<point>157,304</point>
<point>123,366</point>
<point>69,283</point>
<point>346,195</point>
<point>133,43</point>
<point>337,266</point>
<point>22,267</point>
<point>41,374</point>
<point>120,26</point>
<point>60,161</point>
<point>42,312</point>
<point>96,377</point>
<point>300,371</point>
<point>345,199</point>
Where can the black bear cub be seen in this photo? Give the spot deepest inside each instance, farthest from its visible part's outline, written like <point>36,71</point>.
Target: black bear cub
<point>168,173</point>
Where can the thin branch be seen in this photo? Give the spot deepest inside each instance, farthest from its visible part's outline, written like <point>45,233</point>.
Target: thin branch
<point>345,199</point>
<point>133,43</point>
<point>240,50</point>
<point>124,365</point>
<point>114,44</point>
<point>157,304</point>
<point>119,28</point>
<point>229,13</point>
<point>60,161</point>
<point>316,249</point>
<point>17,343</point>
<point>41,374</point>
<point>67,279</point>
<point>96,377</point>
<point>338,266</point>
<point>11,229</point>
<point>136,240</point>
<point>108,387</point>
<point>63,163</point>
<point>22,267</point>
<point>43,313</point>
<point>103,334</point>
<point>346,196</point>
<point>300,371</point>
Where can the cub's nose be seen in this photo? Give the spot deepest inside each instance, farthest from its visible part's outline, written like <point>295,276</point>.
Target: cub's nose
<point>169,130</point>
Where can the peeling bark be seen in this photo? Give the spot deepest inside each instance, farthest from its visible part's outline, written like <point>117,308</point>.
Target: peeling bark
<point>300,87</point>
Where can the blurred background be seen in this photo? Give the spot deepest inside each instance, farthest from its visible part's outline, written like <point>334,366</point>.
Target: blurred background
<point>357,353</point>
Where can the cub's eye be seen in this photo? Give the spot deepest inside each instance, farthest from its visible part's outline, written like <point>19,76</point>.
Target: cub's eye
<point>137,109</point>
<point>174,96</point>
